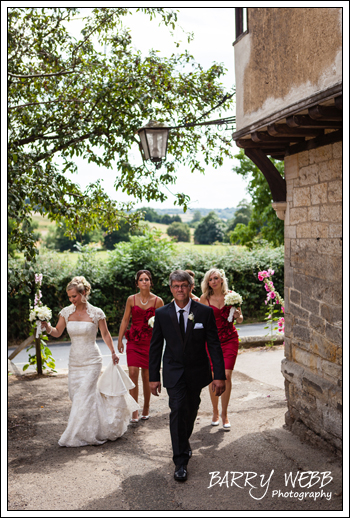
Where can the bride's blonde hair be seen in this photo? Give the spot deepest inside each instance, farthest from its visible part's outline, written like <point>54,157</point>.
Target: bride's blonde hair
<point>206,289</point>
<point>81,285</point>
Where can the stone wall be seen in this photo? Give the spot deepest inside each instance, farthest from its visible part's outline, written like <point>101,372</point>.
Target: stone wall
<point>313,292</point>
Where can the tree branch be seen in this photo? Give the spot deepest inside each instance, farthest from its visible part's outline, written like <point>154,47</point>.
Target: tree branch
<point>41,75</point>
<point>48,102</point>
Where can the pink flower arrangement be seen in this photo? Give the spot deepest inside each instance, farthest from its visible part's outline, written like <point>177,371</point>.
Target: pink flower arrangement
<point>272,297</point>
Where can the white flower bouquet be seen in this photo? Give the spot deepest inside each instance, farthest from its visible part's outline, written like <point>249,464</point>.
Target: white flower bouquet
<point>40,314</point>
<point>232,299</point>
<point>151,322</point>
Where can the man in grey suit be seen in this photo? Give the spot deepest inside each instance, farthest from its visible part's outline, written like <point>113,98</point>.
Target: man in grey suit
<point>186,326</point>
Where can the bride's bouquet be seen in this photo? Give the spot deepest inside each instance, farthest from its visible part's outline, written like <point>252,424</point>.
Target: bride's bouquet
<point>40,314</point>
<point>232,299</point>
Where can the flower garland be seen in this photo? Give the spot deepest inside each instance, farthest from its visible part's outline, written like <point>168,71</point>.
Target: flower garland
<point>273,297</point>
<point>37,314</point>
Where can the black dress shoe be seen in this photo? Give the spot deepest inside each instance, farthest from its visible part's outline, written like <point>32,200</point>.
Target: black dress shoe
<point>180,473</point>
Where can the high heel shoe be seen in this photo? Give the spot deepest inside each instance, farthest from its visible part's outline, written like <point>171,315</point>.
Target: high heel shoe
<point>226,426</point>
<point>134,420</point>
<point>144,417</point>
<point>215,423</point>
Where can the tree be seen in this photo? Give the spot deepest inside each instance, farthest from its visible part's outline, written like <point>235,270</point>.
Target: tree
<point>180,231</point>
<point>151,215</point>
<point>210,229</point>
<point>68,99</point>
<point>121,235</point>
<point>242,215</point>
<point>263,223</point>
<point>57,238</point>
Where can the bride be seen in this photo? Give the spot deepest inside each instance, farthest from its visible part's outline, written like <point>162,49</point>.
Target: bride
<point>96,415</point>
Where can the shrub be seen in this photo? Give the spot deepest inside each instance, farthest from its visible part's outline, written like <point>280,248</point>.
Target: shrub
<point>180,231</point>
<point>114,280</point>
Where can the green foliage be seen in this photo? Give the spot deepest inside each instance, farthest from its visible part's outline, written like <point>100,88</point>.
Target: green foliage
<point>122,234</point>
<point>180,231</point>
<point>68,99</point>
<point>47,361</point>
<point>209,230</point>
<point>57,238</point>
<point>242,215</point>
<point>154,217</point>
<point>263,220</point>
<point>114,280</point>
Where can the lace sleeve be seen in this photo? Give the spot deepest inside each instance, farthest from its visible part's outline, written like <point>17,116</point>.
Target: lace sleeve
<point>65,312</point>
<point>100,314</point>
<point>94,313</point>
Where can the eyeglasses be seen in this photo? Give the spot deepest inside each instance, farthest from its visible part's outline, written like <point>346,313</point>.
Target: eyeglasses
<point>176,287</point>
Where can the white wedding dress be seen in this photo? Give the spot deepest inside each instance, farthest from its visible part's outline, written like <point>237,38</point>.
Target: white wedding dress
<point>97,414</point>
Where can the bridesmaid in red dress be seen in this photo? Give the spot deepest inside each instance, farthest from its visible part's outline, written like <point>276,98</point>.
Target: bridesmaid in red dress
<point>214,288</point>
<point>141,307</point>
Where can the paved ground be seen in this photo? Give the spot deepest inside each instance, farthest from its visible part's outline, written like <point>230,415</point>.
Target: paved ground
<point>135,473</point>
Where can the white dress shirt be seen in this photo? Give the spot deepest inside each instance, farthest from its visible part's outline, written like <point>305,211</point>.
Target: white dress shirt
<point>185,314</point>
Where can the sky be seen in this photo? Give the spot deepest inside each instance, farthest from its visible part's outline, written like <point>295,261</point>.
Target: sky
<point>213,30</point>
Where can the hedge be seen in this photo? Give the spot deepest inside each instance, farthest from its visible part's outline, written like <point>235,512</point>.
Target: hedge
<point>113,280</point>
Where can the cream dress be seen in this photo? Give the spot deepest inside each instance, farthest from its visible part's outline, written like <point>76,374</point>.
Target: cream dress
<point>101,409</point>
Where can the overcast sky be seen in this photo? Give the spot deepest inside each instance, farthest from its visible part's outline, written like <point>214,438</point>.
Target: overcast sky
<point>213,29</point>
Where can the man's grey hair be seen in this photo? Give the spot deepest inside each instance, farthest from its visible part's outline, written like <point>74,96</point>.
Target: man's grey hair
<point>180,276</point>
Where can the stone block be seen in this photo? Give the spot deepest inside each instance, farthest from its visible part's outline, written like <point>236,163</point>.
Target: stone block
<point>317,323</point>
<point>321,154</point>
<point>334,334</point>
<point>313,213</point>
<point>322,291</point>
<point>303,158</point>
<point>312,229</point>
<point>335,192</point>
<point>290,232</point>
<point>329,171</point>
<point>331,213</point>
<point>337,294</point>
<point>332,421</point>
<point>335,231</point>
<point>303,283</point>
<point>291,167</point>
<point>338,149</point>
<point>307,244</point>
<point>332,314</point>
<point>288,275</point>
<point>287,244</point>
<point>287,348</point>
<point>339,356</point>
<point>302,332</point>
<point>310,304</point>
<point>332,370</point>
<point>298,312</point>
<point>295,297</point>
<point>298,215</point>
<point>286,299</point>
<point>301,197</point>
<point>319,345</point>
<point>308,175</point>
<point>330,246</point>
<point>319,193</point>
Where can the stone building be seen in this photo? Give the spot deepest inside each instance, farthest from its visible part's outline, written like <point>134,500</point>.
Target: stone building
<point>288,65</point>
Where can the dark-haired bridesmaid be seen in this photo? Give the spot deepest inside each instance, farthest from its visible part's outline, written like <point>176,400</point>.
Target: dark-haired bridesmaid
<point>141,307</point>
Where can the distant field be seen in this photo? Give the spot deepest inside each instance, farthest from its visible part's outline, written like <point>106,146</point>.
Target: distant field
<point>45,224</point>
<point>183,247</point>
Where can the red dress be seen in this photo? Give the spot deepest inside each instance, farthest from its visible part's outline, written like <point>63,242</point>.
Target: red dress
<point>139,336</point>
<point>228,336</point>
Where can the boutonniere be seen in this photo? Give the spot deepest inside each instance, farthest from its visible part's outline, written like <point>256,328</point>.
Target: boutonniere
<point>151,321</point>
<point>191,317</point>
